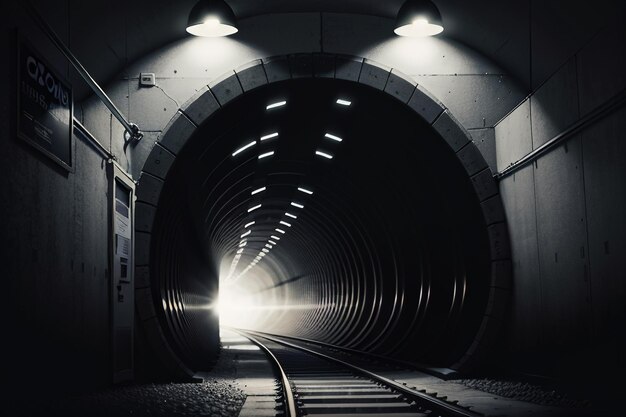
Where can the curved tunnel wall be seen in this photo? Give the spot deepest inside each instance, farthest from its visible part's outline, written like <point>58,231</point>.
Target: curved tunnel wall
<point>344,321</point>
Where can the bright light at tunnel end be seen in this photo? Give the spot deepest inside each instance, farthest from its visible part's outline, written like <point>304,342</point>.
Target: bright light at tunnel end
<point>240,309</point>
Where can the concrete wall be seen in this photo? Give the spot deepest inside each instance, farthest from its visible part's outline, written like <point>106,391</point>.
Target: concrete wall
<point>566,217</point>
<point>54,257</point>
<point>475,89</point>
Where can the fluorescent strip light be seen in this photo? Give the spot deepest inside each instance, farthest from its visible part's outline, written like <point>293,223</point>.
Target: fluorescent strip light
<point>262,254</point>
<point>272,242</point>
<point>267,245</point>
<point>240,250</point>
<point>343,102</point>
<point>246,234</point>
<point>244,243</point>
<point>258,190</point>
<point>275,237</point>
<point>300,206</point>
<point>290,215</point>
<point>304,190</point>
<point>248,225</point>
<point>277,104</point>
<point>280,230</point>
<point>285,223</point>
<point>324,154</point>
<point>258,258</point>
<point>254,208</point>
<point>244,147</point>
<point>265,250</point>
<point>333,137</point>
<point>266,154</point>
<point>270,136</point>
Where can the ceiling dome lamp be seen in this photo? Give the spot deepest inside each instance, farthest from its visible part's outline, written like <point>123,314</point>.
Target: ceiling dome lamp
<point>212,18</point>
<point>418,18</point>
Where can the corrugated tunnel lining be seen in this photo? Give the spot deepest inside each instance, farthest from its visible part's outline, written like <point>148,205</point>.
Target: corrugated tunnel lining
<point>392,246</point>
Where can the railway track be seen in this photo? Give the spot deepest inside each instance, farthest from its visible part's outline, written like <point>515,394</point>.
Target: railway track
<point>318,384</point>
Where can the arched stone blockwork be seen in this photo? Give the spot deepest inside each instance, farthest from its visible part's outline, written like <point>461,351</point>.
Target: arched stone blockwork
<point>261,72</point>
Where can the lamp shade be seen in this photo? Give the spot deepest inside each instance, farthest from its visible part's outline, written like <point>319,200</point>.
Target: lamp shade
<point>418,18</point>
<point>212,18</point>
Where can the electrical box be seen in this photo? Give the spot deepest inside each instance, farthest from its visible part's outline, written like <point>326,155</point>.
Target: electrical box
<point>121,254</point>
<point>147,79</point>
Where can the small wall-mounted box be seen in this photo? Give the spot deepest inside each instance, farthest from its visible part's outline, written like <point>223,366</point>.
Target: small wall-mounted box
<point>147,79</point>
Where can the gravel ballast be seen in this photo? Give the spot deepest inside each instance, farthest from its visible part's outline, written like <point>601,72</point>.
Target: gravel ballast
<point>218,396</point>
<point>524,391</point>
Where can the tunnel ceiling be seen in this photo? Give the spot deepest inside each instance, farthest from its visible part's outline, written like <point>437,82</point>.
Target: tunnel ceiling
<point>370,238</point>
<point>124,31</point>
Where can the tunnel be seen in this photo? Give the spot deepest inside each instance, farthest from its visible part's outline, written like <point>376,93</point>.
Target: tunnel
<point>323,209</point>
<point>219,207</point>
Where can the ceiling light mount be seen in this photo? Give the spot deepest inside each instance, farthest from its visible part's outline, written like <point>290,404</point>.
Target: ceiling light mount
<point>212,18</point>
<point>418,18</point>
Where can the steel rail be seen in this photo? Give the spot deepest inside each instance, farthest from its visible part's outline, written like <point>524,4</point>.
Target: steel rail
<point>290,402</point>
<point>396,362</point>
<point>435,403</point>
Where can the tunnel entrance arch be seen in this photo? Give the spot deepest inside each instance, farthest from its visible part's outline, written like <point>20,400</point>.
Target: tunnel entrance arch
<point>174,331</point>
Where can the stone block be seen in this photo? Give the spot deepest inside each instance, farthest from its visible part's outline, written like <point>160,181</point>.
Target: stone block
<point>201,106</point>
<point>484,185</point>
<point>144,216</point>
<point>149,188</point>
<point>142,248</point>
<point>226,88</point>
<point>493,211</point>
<point>348,68</point>
<point>159,162</point>
<point>499,243</point>
<point>251,75</point>
<point>400,86</point>
<point>301,65</point>
<point>374,74</point>
<point>472,159</point>
<point>425,105</point>
<point>323,66</point>
<point>451,131</point>
<point>277,69</point>
<point>142,276</point>
<point>177,132</point>
<point>144,303</point>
